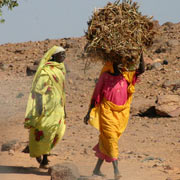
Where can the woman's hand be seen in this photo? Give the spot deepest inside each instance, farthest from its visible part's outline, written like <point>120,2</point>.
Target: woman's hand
<point>86,118</point>
<point>141,68</point>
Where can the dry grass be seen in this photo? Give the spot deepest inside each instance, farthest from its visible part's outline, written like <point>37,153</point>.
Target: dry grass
<point>119,30</point>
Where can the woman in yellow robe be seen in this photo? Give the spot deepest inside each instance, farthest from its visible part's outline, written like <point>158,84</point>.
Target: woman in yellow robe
<point>109,111</point>
<point>45,112</point>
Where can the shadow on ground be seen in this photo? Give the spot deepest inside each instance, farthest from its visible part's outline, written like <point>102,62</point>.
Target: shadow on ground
<point>21,170</point>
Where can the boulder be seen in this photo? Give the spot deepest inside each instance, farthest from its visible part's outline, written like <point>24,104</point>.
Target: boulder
<point>165,62</point>
<point>172,43</point>
<point>143,106</point>
<point>92,178</point>
<point>31,70</point>
<point>156,24</point>
<point>148,60</point>
<point>160,49</point>
<point>154,64</point>
<point>174,84</point>
<point>64,171</point>
<point>168,105</point>
<point>157,60</point>
<point>11,145</point>
<point>168,24</point>
<point>1,66</point>
<point>157,66</point>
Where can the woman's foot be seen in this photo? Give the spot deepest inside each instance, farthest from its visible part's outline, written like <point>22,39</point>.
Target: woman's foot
<point>97,168</point>
<point>39,159</point>
<point>117,176</point>
<point>98,173</point>
<point>44,166</point>
<point>45,160</point>
<point>44,163</point>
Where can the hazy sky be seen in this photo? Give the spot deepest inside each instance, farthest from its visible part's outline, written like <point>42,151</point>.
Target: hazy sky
<point>37,20</point>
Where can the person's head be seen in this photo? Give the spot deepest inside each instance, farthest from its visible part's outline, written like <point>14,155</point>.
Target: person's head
<point>118,65</point>
<point>59,55</point>
<point>123,64</point>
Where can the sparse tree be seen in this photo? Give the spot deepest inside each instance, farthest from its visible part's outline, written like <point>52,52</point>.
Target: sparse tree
<point>10,4</point>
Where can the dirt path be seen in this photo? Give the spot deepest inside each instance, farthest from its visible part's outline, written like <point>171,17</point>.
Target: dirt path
<point>149,149</point>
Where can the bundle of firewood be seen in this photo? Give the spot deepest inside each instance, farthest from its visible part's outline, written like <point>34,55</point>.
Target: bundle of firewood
<point>119,31</point>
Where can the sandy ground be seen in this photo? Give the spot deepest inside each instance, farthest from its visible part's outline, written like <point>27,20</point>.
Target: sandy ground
<point>148,150</point>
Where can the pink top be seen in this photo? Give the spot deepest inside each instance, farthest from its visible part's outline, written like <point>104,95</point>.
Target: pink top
<point>112,88</point>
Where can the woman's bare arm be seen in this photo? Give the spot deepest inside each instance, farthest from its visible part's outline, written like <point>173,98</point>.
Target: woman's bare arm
<point>141,68</point>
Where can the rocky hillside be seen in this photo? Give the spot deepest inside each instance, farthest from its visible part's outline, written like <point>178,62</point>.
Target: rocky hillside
<point>149,147</point>
<point>162,62</point>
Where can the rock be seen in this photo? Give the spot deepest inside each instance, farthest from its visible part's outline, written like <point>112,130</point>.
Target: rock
<point>155,166</point>
<point>36,62</point>
<point>160,49</point>
<point>11,145</point>
<point>148,67</point>
<point>64,171</point>
<point>20,95</point>
<point>141,106</point>
<point>11,152</point>
<point>91,178</point>
<point>70,81</point>
<point>168,24</point>
<point>4,67</point>
<point>157,60</point>
<point>165,62</point>
<point>148,159</point>
<point>156,24</point>
<point>1,66</point>
<point>168,167</point>
<point>26,149</point>
<point>85,151</point>
<point>172,43</point>
<point>11,66</point>
<point>153,64</point>
<point>148,60</point>
<point>90,79</point>
<point>19,51</point>
<point>130,152</point>
<point>157,65</point>
<point>172,84</point>
<point>31,70</point>
<point>168,105</point>
<point>168,178</point>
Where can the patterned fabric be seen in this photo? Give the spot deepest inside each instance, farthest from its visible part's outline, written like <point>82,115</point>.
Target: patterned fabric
<point>111,112</point>
<point>45,109</point>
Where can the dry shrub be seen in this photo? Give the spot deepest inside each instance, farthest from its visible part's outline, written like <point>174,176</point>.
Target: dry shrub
<point>119,31</point>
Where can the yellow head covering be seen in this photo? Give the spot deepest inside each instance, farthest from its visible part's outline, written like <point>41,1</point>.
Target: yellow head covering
<point>108,67</point>
<point>46,58</point>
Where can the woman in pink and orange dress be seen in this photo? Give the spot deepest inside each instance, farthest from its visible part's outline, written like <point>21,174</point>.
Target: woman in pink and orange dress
<point>109,111</point>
